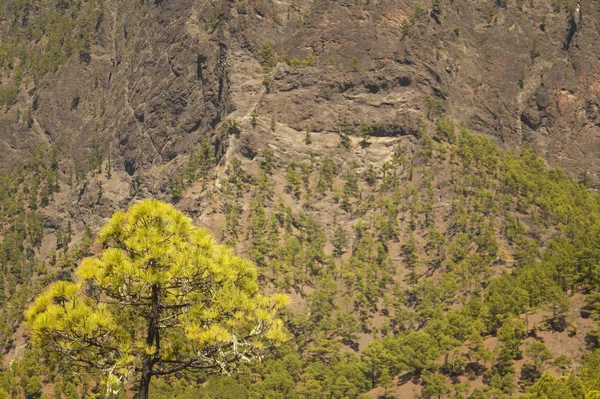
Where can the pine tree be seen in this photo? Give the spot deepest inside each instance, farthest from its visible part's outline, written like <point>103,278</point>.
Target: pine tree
<point>366,131</point>
<point>409,252</point>
<point>294,179</point>
<point>387,382</point>
<point>108,169</point>
<point>436,386</point>
<point>307,136</point>
<point>161,298</point>
<point>340,241</point>
<point>539,353</point>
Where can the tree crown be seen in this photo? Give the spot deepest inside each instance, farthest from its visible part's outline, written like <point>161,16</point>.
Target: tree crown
<point>161,297</point>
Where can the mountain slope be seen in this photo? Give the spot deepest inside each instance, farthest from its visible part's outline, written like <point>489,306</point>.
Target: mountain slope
<point>322,140</point>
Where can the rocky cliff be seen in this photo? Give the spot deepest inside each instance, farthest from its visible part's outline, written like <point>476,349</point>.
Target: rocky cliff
<point>163,74</point>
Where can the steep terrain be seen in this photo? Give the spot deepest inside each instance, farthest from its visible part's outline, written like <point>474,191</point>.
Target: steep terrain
<point>318,138</point>
<point>162,75</point>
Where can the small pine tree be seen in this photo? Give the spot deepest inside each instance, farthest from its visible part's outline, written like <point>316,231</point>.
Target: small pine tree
<point>366,131</point>
<point>307,137</point>
<point>345,141</point>
<point>108,169</point>
<point>409,251</point>
<point>354,64</point>
<point>387,382</point>
<point>340,241</point>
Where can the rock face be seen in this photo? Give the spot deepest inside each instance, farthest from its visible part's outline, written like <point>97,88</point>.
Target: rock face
<point>164,74</point>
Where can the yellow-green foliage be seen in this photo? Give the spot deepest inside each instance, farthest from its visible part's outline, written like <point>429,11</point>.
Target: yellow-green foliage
<point>162,289</point>
<point>586,385</point>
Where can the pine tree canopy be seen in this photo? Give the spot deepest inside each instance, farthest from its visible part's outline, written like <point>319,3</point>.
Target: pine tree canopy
<point>161,297</point>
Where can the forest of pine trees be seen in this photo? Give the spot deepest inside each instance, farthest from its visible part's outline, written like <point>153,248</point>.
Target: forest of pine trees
<point>420,272</point>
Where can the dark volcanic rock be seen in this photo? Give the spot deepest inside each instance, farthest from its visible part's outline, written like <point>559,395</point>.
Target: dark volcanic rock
<point>163,75</point>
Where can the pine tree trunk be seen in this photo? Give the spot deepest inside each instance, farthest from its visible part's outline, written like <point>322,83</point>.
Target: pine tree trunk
<point>151,339</point>
<point>145,380</point>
